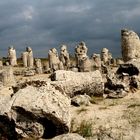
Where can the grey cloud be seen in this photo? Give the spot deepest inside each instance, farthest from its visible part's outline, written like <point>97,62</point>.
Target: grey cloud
<point>48,23</point>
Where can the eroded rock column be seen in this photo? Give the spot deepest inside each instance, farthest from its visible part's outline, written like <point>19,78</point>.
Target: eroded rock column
<point>54,61</point>
<point>38,64</point>
<point>12,56</point>
<point>64,57</point>
<point>130,43</point>
<point>30,58</point>
<point>82,60</point>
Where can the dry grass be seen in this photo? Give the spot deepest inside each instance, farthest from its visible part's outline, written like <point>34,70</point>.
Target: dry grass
<point>84,129</point>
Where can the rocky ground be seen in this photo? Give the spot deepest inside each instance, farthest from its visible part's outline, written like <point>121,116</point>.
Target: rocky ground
<point>108,119</point>
<point>32,109</point>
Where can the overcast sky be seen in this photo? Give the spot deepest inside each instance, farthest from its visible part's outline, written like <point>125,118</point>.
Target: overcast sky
<point>45,24</point>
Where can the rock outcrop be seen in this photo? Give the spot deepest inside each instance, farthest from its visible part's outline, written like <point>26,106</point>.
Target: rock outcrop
<point>106,56</point>
<point>74,83</point>
<point>64,57</point>
<point>27,58</point>
<point>81,100</point>
<point>38,65</point>
<point>36,112</point>
<point>7,77</point>
<point>12,56</point>
<point>54,62</point>
<point>82,60</point>
<point>130,45</point>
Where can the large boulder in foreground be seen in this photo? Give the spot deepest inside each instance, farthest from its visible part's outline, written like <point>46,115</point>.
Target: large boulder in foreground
<point>74,83</point>
<point>37,112</point>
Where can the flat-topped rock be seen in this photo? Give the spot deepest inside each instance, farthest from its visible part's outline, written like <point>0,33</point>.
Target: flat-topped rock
<point>73,83</point>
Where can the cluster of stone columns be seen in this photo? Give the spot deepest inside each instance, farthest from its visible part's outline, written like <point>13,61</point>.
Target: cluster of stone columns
<point>130,44</point>
<point>83,62</point>
<point>27,58</point>
<point>62,61</point>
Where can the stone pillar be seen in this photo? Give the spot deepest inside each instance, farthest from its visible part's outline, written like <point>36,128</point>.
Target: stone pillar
<point>64,57</point>
<point>96,59</point>
<point>30,59</point>
<point>38,65</point>
<point>12,56</point>
<point>82,60</point>
<point>105,55</point>
<point>130,44</point>
<point>54,61</point>
<point>24,58</point>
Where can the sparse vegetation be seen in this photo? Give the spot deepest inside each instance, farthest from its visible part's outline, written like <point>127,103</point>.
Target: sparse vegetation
<point>85,129</point>
<point>132,115</point>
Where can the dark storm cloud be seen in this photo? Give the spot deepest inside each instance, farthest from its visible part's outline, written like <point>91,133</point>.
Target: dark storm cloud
<point>44,24</point>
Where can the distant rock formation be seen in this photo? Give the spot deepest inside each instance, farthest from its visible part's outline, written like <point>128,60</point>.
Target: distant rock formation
<point>54,62</point>
<point>38,65</point>
<point>83,62</point>
<point>96,60</point>
<point>27,58</point>
<point>12,56</point>
<point>106,56</point>
<point>64,57</point>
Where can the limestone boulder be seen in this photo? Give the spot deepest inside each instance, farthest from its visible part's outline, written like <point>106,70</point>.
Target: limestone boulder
<point>81,100</point>
<point>7,77</point>
<point>29,72</point>
<point>36,112</point>
<point>75,83</point>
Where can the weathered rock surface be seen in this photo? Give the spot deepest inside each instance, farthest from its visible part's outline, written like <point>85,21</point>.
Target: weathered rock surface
<point>54,62</point>
<point>81,100</point>
<point>130,45</point>
<point>12,56</point>
<point>64,56</point>
<point>29,72</point>
<point>106,56</point>
<point>70,136</point>
<point>36,112</point>
<point>117,85</point>
<point>7,77</point>
<point>82,60</point>
<point>125,79</point>
<point>74,83</point>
